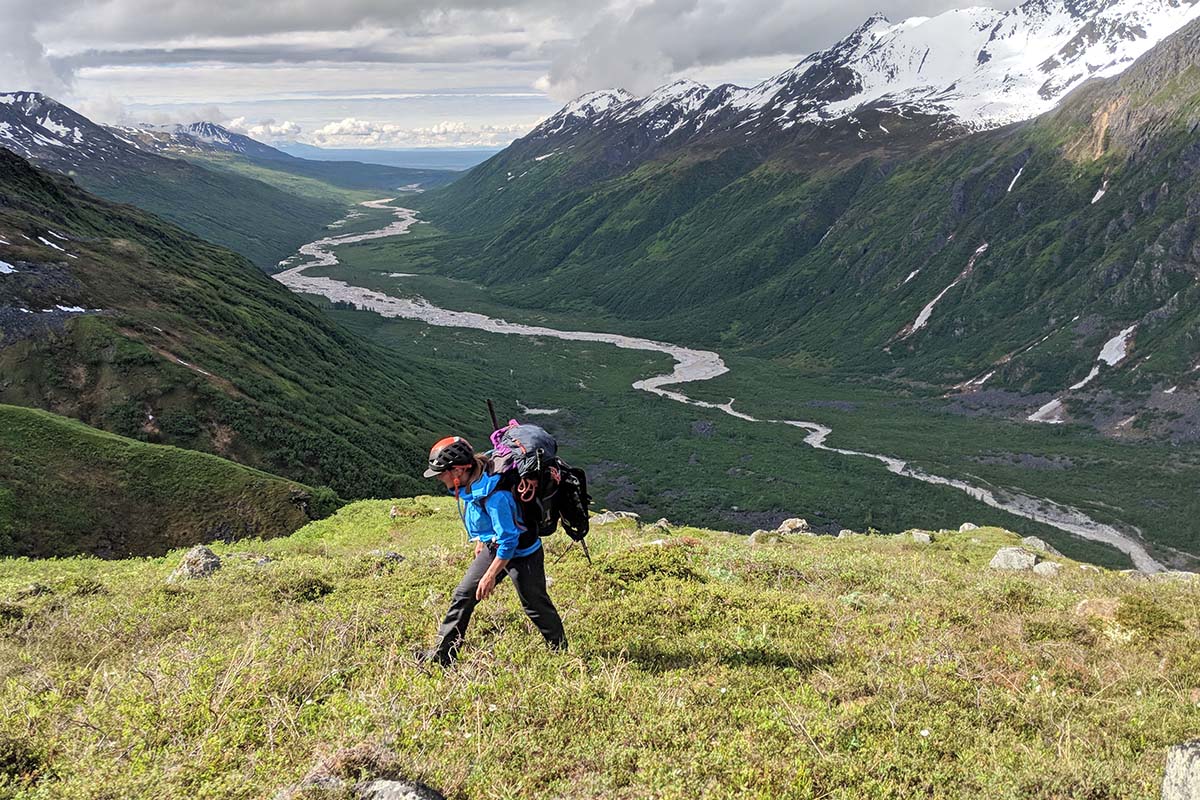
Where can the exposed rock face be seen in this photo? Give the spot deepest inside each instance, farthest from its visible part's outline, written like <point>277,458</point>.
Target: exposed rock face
<point>1182,778</point>
<point>1013,558</point>
<point>199,562</point>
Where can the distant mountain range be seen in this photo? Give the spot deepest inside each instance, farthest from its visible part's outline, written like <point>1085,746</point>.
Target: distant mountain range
<point>968,69</point>
<point>416,158</point>
<point>222,186</point>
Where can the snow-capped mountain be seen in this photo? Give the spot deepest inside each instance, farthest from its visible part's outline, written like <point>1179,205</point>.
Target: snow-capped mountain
<point>41,129</point>
<point>970,68</point>
<point>201,136</point>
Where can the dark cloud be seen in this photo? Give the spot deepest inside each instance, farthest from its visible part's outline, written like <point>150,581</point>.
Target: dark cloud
<point>637,48</point>
<point>586,45</point>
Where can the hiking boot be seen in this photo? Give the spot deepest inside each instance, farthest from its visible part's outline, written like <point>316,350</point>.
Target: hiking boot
<point>434,656</point>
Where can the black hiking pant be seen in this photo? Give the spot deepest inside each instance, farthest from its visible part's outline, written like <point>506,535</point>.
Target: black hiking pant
<point>528,575</point>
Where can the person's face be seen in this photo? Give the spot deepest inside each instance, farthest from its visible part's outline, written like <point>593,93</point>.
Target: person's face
<point>448,477</point>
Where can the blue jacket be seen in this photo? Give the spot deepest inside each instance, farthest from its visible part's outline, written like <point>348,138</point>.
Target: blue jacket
<point>491,515</point>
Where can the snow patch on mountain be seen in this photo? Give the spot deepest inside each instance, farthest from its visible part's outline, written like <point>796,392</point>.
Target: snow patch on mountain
<point>977,67</point>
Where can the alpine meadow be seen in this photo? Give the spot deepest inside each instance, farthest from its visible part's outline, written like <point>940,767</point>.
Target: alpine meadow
<point>415,403</point>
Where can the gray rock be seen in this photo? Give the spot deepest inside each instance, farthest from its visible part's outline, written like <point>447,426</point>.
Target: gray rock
<point>793,525</point>
<point>1181,781</point>
<point>845,533</point>
<point>1034,543</point>
<point>609,517</point>
<point>396,790</point>
<point>766,537</point>
<point>1134,574</point>
<point>199,562</point>
<point>1047,569</point>
<point>1013,558</point>
<point>967,526</point>
<point>922,537</point>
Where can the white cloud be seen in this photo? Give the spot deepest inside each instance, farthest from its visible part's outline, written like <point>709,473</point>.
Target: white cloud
<point>268,130</point>
<point>352,132</point>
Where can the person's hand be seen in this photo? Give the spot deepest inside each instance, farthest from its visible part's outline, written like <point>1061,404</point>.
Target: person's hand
<point>486,587</point>
<point>478,548</point>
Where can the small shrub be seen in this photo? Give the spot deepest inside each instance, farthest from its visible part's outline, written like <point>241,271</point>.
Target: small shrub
<point>301,588</point>
<point>360,762</point>
<point>82,586</point>
<point>1147,617</point>
<point>1058,630</point>
<point>19,761</point>
<point>323,503</point>
<point>1016,596</point>
<point>640,563</point>
<point>11,612</point>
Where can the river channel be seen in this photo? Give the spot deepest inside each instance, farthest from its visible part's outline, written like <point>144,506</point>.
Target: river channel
<point>690,365</point>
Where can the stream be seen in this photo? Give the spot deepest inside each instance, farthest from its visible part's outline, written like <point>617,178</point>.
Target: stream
<point>690,365</point>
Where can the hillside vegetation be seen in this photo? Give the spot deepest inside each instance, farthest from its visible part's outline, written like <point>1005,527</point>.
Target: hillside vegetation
<point>134,326</point>
<point>67,489</point>
<point>700,665</point>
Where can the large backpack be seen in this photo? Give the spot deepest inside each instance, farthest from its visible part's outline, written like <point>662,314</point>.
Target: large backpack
<point>548,490</point>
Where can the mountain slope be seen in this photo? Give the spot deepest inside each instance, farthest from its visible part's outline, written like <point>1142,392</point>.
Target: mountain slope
<point>253,218</point>
<point>211,145</point>
<point>700,665</point>
<point>67,489</point>
<point>114,317</point>
<point>1010,259</point>
<point>969,69</point>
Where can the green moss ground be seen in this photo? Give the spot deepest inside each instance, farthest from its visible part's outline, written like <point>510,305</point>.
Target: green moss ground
<point>864,667</point>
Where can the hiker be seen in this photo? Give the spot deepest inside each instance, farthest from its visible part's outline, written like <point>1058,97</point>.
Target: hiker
<point>502,547</point>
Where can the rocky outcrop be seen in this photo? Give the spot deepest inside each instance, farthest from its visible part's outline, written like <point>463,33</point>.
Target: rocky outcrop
<point>1013,558</point>
<point>1182,778</point>
<point>199,562</point>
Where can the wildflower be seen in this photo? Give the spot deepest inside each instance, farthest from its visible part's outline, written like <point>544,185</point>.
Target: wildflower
<point>925,732</point>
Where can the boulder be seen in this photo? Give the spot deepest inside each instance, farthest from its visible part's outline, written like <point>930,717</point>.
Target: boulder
<point>613,516</point>
<point>395,790</point>
<point>1181,781</point>
<point>793,525</point>
<point>766,537</point>
<point>199,562</point>
<point>1047,569</point>
<point>845,533</point>
<point>967,526</point>
<point>662,525</point>
<point>1034,543</point>
<point>922,537</point>
<point>1009,558</point>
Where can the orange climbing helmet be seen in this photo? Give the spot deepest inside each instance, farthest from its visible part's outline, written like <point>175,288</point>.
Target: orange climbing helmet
<point>449,452</point>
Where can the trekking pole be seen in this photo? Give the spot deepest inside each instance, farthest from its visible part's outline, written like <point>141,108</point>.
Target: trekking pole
<point>492,411</point>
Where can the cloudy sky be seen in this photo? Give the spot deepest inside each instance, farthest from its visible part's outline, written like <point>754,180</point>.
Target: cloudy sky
<point>399,73</point>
